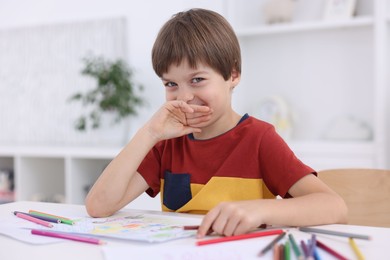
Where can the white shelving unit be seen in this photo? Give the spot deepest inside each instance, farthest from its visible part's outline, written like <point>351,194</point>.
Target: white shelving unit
<point>60,174</point>
<point>325,71</point>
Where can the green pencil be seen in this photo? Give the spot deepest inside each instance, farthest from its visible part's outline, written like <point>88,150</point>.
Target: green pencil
<point>295,247</point>
<point>287,250</point>
<point>62,219</point>
<point>67,221</point>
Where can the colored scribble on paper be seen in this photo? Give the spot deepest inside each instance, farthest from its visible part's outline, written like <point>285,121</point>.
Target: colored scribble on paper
<point>141,227</point>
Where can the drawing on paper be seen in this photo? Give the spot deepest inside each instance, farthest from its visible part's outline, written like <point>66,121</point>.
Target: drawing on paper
<point>140,227</point>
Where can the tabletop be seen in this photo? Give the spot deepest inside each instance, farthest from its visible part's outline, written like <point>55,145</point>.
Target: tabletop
<point>183,248</point>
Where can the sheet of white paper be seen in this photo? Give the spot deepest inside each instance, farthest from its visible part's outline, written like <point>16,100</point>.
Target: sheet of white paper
<point>23,233</point>
<point>126,225</point>
<point>133,226</point>
<point>235,250</point>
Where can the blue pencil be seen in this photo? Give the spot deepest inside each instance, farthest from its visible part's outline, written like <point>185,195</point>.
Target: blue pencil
<point>312,244</point>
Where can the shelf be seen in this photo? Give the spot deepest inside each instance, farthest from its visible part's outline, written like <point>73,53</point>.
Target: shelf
<point>58,173</point>
<point>304,27</point>
<point>6,162</point>
<point>40,178</point>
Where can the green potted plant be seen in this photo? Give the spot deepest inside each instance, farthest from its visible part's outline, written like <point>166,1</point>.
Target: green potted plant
<point>114,92</point>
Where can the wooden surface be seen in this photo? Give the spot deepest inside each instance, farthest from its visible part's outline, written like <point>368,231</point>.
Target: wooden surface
<point>366,192</point>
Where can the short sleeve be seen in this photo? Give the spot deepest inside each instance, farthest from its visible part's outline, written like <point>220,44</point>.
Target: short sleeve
<point>150,169</point>
<point>279,166</point>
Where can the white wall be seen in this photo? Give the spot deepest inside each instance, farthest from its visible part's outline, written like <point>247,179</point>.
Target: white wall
<point>144,20</point>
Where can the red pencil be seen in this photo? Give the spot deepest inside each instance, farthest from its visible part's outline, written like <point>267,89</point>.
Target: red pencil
<point>190,227</point>
<point>330,251</point>
<point>239,237</point>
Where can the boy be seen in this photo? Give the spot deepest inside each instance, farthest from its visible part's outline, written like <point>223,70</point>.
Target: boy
<point>204,157</point>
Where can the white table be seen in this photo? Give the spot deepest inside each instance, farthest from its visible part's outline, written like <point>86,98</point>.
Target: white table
<point>10,248</point>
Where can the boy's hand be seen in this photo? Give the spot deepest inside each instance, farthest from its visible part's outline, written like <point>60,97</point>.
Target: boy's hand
<point>177,118</point>
<point>230,218</point>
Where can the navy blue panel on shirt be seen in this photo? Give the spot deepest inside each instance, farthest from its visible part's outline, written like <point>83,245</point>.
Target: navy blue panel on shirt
<point>177,189</point>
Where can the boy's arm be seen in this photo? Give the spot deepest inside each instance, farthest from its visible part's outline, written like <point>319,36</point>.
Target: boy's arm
<point>313,203</point>
<point>120,183</point>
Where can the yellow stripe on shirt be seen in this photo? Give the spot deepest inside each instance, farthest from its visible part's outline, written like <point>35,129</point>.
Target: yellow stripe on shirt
<point>220,189</point>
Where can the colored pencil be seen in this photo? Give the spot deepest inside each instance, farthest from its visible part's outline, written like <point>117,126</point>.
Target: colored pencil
<point>271,244</point>
<point>356,249</point>
<point>295,247</point>
<point>305,250</point>
<point>63,220</point>
<point>239,237</point>
<point>67,236</point>
<point>196,228</point>
<point>287,252</point>
<point>330,250</point>
<point>312,245</point>
<point>276,252</point>
<point>281,251</point>
<point>35,220</point>
<point>48,219</point>
<point>314,250</point>
<point>190,227</point>
<point>316,255</point>
<point>334,233</point>
<point>46,214</point>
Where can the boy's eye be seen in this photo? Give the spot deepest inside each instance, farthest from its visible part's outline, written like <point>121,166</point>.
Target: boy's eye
<point>170,84</point>
<point>197,80</point>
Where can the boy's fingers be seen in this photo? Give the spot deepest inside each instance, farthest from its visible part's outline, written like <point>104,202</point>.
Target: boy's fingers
<point>197,120</point>
<point>203,230</point>
<point>207,223</point>
<point>190,130</point>
<point>201,109</point>
<point>188,108</point>
<point>197,117</point>
<point>197,114</point>
<point>181,105</point>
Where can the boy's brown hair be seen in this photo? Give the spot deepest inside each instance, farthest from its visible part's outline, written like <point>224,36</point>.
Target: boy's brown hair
<point>197,35</point>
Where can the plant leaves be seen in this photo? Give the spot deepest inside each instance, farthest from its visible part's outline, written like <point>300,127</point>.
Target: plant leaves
<point>114,91</point>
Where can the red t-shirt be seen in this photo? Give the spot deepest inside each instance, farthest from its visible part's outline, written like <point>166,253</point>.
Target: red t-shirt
<point>243,163</point>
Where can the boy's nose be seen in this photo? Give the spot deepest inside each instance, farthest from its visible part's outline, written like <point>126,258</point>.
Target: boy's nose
<point>185,95</point>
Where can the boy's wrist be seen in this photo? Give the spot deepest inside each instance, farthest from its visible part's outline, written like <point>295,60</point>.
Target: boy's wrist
<point>150,134</point>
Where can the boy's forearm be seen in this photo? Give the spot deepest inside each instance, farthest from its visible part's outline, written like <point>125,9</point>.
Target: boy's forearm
<point>313,209</point>
<point>238,217</point>
<point>109,192</point>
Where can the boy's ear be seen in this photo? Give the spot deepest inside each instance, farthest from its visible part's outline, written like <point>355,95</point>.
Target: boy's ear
<point>235,77</point>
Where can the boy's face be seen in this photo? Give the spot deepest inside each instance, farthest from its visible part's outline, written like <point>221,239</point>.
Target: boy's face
<point>200,86</point>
